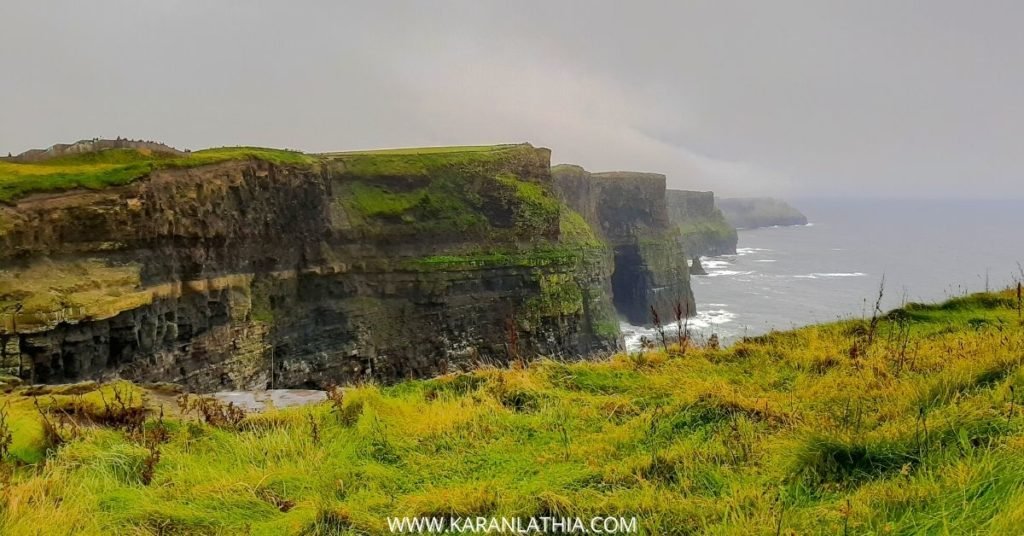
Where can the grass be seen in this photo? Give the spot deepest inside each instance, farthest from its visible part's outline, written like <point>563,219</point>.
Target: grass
<point>116,167</point>
<point>426,161</point>
<point>426,150</point>
<point>121,166</point>
<point>780,434</point>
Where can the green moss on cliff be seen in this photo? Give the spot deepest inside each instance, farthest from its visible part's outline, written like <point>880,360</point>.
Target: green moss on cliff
<point>478,193</point>
<point>530,258</point>
<point>376,201</point>
<point>560,295</point>
<point>260,295</point>
<point>436,207</point>
<point>709,236</point>
<point>573,229</point>
<point>535,206</point>
<point>115,167</point>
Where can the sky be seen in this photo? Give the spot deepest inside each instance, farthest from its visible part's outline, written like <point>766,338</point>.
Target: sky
<point>866,98</point>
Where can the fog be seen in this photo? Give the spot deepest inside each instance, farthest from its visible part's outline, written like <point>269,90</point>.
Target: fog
<point>789,98</point>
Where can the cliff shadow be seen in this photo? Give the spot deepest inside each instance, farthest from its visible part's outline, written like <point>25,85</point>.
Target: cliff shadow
<point>631,283</point>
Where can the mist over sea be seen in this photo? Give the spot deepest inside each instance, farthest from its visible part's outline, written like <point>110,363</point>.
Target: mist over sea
<point>785,277</point>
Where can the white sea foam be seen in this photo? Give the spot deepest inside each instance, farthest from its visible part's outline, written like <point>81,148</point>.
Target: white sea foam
<point>764,260</point>
<point>818,275</point>
<point>712,263</point>
<point>718,273</point>
<point>748,251</point>
<point>702,324</point>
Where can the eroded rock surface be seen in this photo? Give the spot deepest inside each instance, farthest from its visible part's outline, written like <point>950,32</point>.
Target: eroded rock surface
<point>244,274</point>
<point>703,228</point>
<point>630,211</point>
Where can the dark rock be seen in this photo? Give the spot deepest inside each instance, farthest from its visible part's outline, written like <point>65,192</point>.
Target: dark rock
<point>703,228</point>
<point>696,268</point>
<point>248,274</point>
<point>629,209</point>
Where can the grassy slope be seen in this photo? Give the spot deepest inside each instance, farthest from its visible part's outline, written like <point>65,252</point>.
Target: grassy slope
<point>787,432</point>
<point>119,166</point>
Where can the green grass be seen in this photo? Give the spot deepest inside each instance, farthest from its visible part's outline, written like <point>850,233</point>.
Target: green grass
<point>782,432</point>
<point>427,161</point>
<point>117,167</point>
<point>121,166</point>
<point>426,150</point>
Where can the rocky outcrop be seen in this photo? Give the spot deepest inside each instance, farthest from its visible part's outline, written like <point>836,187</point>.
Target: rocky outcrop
<point>703,229</point>
<point>753,212</point>
<point>251,274</point>
<point>92,146</point>
<point>696,268</point>
<point>630,212</point>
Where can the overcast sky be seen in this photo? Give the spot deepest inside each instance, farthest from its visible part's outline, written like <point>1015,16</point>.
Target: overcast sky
<point>794,98</point>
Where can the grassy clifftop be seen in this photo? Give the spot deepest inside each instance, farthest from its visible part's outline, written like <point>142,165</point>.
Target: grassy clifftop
<point>116,167</point>
<point>909,425</point>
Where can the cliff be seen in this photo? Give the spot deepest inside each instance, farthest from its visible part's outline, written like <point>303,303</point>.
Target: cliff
<point>753,212</point>
<point>251,268</point>
<point>630,213</point>
<point>703,228</point>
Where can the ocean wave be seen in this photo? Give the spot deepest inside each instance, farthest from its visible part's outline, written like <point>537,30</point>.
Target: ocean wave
<point>764,260</point>
<point>818,275</point>
<point>748,251</point>
<point>696,325</point>
<point>718,273</point>
<point>712,263</point>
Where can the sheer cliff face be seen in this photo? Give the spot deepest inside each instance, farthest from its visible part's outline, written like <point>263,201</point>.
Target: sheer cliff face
<point>248,274</point>
<point>702,226</point>
<point>753,212</point>
<point>631,213</point>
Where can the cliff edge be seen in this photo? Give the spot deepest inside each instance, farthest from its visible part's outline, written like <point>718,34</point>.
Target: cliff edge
<point>703,228</point>
<point>629,211</point>
<point>254,268</point>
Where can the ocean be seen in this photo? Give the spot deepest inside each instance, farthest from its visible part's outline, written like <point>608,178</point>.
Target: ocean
<point>832,268</point>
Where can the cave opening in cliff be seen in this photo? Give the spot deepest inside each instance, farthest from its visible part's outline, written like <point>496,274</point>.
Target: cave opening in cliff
<point>630,284</point>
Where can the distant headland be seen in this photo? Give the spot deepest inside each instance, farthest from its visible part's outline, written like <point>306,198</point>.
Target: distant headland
<point>92,146</point>
<point>754,212</point>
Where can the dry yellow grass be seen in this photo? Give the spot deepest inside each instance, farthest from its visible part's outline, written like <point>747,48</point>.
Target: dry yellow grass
<point>787,433</point>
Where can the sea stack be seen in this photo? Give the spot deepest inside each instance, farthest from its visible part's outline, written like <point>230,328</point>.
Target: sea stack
<point>696,268</point>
